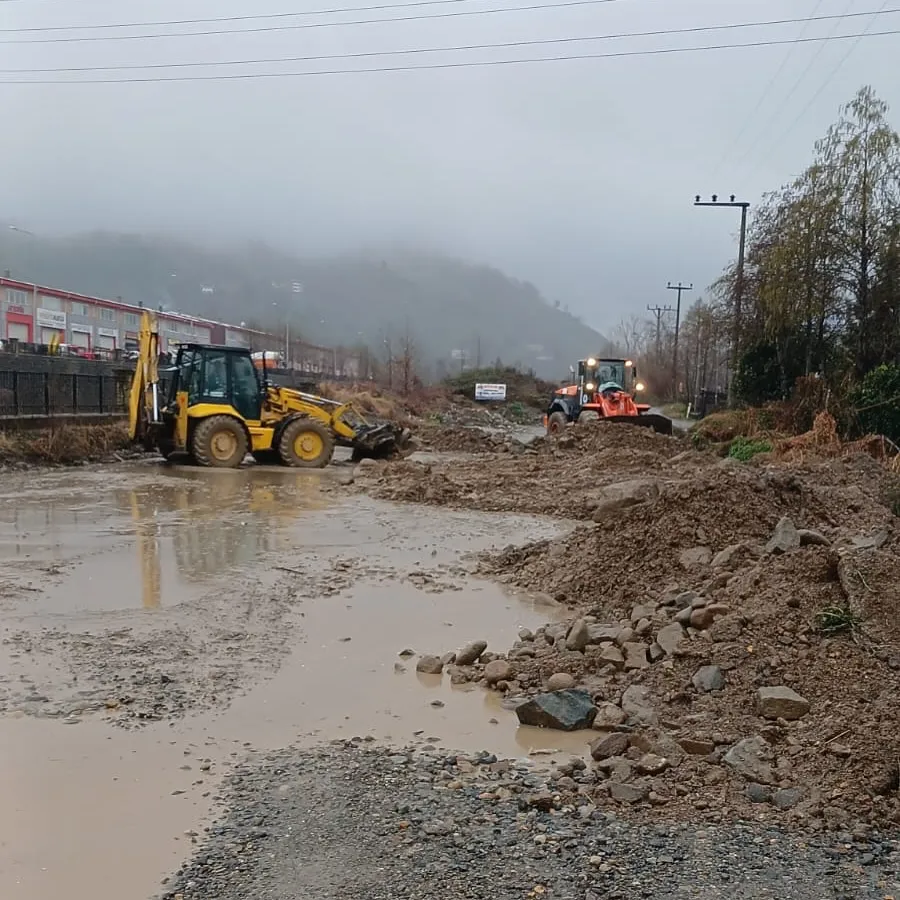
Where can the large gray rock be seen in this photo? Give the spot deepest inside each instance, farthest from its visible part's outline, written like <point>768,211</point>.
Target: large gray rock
<point>751,758</point>
<point>578,636</point>
<point>615,497</point>
<point>671,638</point>
<point>636,705</point>
<point>784,538</point>
<point>635,656</point>
<point>708,679</point>
<point>470,654</point>
<point>780,703</point>
<point>628,793</point>
<point>562,710</point>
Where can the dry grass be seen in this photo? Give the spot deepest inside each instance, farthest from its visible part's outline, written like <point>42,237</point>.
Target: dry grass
<point>65,444</point>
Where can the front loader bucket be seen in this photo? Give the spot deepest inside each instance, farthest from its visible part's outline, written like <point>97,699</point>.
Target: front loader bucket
<point>660,424</point>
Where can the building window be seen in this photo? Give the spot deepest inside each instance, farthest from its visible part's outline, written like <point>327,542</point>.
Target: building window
<point>53,303</point>
<point>80,309</point>
<point>132,320</point>
<point>18,298</point>
<point>107,314</point>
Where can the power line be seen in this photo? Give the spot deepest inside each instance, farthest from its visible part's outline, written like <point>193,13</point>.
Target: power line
<point>662,51</point>
<point>247,18</point>
<point>304,25</point>
<point>829,79</point>
<point>446,15</point>
<point>786,98</point>
<point>762,97</point>
<point>414,50</point>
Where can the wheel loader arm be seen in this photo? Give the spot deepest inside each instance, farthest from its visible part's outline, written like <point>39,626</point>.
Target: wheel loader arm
<point>143,399</point>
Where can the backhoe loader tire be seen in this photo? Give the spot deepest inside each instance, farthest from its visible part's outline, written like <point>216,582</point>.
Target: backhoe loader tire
<point>219,442</point>
<point>557,422</point>
<point>588,417</point>
<point>306,444</point>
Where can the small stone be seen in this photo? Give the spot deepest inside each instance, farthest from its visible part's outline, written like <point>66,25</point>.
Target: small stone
<point>671,638</point>
<point>430,665</point>
<point>696,747</point>
<point>724,558</point>
<point>578,636</point>
<point>758,793</point>
<point>470,653</point>
<point>609,716</point>
<point>708,679</point>
<point>655,653</point>
<point>787,798</point>
<point>651,764</point>
<point>785,537</point>
<point>560,681</point>
<point>497,670</point>
<point>637,707</point>
<point>627,793</point>
<point>780,703</point>
<point>406,653</point>
<point>810,538</point>
<point>525,634</point>
<point>695,557</point>
<point>437,704</point>
<point>614,744</point>
<point>642,611</point>
<point>751,758</point>
<point>612,655</point>
<point>683,616</point>
<point>728,628</point>
<point>702,618</point>
<point>635,656</point>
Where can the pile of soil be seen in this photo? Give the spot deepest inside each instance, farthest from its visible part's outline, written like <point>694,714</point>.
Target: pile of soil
<point>459,439</point>
<point>734,624</point>
<point>558,476</point>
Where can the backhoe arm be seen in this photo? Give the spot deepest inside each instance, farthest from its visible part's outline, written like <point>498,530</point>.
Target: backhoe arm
<point>143,401</point>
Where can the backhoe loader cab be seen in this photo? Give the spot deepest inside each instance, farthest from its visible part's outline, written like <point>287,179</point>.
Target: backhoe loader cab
<point>219,406</point>
<point>604,389</point>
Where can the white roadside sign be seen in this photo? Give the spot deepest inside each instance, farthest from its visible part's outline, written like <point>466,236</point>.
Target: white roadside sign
<point>490,391</point>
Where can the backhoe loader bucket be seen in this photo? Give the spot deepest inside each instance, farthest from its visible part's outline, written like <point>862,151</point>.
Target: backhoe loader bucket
<point>385,441</point>
<point>660,424</point>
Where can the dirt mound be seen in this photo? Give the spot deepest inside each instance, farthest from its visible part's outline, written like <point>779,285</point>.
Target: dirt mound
<point>734,623</point>
<point>458,439</point>
<point>560,476</point>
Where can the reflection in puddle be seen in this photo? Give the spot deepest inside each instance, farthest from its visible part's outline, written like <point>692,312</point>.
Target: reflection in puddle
<point>156,541</point>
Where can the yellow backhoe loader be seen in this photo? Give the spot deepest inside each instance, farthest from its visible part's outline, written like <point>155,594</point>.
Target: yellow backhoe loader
<point>218,407</point>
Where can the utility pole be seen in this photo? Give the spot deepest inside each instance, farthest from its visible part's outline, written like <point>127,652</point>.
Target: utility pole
<point>739,283</point>
<point>680,288</point>
<point>658,312</point>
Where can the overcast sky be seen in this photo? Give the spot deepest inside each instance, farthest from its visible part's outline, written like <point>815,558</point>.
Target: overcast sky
<point>576,175</point>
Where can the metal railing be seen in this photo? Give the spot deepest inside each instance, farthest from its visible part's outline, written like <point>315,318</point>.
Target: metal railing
<point>39,395</point>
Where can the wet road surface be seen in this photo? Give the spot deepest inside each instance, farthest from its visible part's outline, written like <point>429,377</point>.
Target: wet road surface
<point>159,623</point>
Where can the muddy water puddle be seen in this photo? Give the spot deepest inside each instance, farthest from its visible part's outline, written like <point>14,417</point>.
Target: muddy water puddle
<point>142,550</point>
<point>144,536</point>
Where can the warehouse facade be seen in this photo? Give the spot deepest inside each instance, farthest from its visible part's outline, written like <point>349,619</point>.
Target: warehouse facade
<point>32,314</point>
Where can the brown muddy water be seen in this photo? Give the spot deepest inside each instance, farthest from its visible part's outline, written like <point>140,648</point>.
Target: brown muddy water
<point>159,624</point>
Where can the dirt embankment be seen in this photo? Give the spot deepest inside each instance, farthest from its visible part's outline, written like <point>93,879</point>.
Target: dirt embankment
<point>66,445</point>
<point>734,625</point>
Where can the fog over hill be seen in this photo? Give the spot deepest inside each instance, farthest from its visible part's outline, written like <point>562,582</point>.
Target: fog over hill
<point>456,312</point>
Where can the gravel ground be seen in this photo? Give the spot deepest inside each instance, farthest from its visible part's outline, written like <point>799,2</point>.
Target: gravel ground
<point>349,821</point>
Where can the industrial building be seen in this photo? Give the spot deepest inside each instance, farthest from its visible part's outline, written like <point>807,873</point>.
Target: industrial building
<point>32,314</point>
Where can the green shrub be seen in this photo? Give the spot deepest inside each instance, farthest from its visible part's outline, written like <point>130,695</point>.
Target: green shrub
<point>876,403</point>
<point>838,620</point>
<point>744,449</point>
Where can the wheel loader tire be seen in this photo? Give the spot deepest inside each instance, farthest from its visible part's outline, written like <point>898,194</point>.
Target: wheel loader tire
<point>219,442</point>
<point>588,417</point>
<point>306,444</point>
<point>557,422</point>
